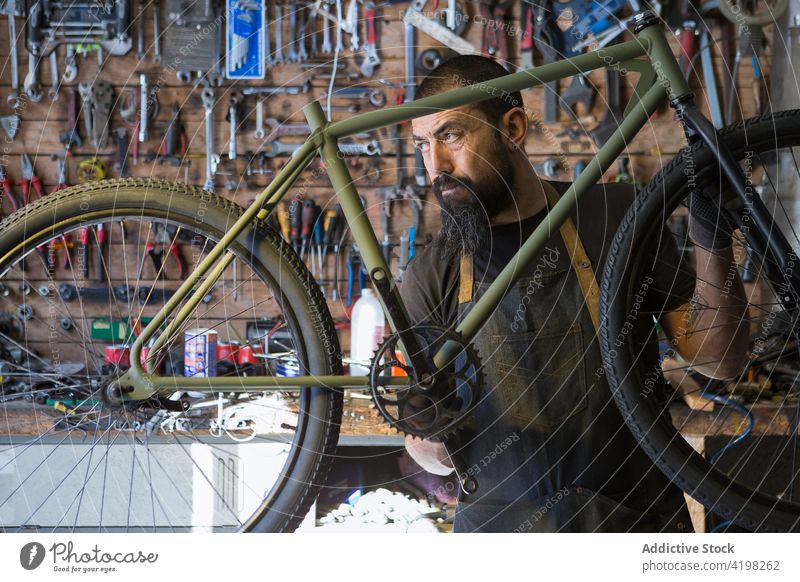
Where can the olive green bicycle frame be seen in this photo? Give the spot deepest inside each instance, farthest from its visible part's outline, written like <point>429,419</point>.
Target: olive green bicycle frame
<point>660,79</point>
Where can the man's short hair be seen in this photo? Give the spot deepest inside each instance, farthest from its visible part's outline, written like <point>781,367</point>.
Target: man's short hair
<point>463,70</point>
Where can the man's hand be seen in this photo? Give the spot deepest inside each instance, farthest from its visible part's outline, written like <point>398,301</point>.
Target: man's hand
<point>429,455</point>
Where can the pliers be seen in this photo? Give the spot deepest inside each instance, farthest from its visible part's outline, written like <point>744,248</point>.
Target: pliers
<point>29,178</point>
<point>6,184</point>
<point>65,238</point>
<point>164,242</point>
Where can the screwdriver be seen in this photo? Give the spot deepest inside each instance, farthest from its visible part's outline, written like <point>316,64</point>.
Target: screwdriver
<point>283,220</point>
<point>295,221</point>
<point>309,214</point>
<point>318,234</point>
<point>336,234</point>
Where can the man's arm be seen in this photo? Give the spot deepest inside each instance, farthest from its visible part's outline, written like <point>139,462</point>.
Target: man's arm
<point>711,331</point>
<point>421,303</point>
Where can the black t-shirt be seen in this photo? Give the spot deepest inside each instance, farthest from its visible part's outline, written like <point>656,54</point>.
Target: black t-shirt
<point>430,284</point>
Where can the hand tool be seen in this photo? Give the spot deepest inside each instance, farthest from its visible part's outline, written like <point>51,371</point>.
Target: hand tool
<point>208,99</point>
<point>71,138</point>
<point>66,243</point>
<point>123,144</point>
<point>278,59</point>
<point>411,84</point>
<point>296,222</point>
<point>156,32</point>
<point>371,58</point>
<point>164,242</point>
<point>234,106</point>
<point>31,181</point>
<point>52,92</point>
<point>354,264</point>
<point>13,96</point>
<point>7,189</point>
<point>308,217</point>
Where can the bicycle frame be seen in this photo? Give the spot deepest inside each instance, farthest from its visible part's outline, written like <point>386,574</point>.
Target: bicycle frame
<point>660,79</point>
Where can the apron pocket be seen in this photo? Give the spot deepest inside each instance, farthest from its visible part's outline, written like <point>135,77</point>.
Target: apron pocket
<point>540,376</point>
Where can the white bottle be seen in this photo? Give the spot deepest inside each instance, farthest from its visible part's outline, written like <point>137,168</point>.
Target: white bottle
<point>366,331</point>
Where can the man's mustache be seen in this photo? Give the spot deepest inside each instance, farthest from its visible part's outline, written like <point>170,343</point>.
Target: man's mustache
<point>445,182</point>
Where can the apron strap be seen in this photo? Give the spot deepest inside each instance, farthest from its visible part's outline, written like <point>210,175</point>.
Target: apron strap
<point>580,261</point>
<point>578,258</point>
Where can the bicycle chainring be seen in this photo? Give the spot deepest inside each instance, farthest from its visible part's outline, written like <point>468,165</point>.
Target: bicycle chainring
<point>436,411</point>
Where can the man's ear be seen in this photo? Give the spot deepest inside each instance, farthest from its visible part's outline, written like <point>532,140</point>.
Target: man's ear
<point>516,124</point>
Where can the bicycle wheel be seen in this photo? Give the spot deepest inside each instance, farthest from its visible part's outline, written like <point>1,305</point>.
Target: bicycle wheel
<point>248,461</point>
<point>740,460</point>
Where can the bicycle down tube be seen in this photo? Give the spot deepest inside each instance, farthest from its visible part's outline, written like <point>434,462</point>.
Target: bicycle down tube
<point>648,96</point>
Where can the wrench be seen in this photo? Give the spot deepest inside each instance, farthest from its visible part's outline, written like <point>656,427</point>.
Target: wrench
<point>208,99</point>
<point>144,107</point>
<point>13,97</point>
<point>259,132</point>
<point>52,92</point>
<point>339,24</point>
<point>140,31</point>
<point>278,59</point>
<point>302,55</point>
<point>233,118</point>
<point>267,49</point>
<point>278,148</point>
<point>371,58</point>
<point>277,129</point>
<point>156,32</point>
<point>71,67</point>
<point>31,85</point>
<point>327,48</point>
<point>291,50</point>
<point>352,24</point>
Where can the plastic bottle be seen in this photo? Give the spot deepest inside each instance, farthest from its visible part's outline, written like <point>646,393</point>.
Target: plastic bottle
<point>366,331</point>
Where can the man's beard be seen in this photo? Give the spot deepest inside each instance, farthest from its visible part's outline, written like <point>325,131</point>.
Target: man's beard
<point>465,225</point>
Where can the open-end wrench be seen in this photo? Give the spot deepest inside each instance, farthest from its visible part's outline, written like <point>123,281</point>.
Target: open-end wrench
<point>327,47</point>
<point>233,119</point>
<point>291,49</point>
<point>52,92</point>
<point>302,55</point>
<point>144,107</point>
<point>31,85</point>
<point>279,148</point>
<point>13,97</point>
<point>339,24</point>
<point>352,25</point>
<point>278,58</point>
<point>276,129</point>
<point>156,32</point>
<point>140,51</point>
<point>411,83</point>
<point>371,58</point>
<point>259,132</point>
<point>208,98</point>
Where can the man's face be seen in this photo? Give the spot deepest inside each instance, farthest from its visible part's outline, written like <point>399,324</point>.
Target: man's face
<point>471,174</point>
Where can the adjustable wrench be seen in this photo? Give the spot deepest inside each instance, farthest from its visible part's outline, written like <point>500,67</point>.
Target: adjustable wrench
<point>13,97</point>
<point>371,58</point>
<point>208,99</point>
